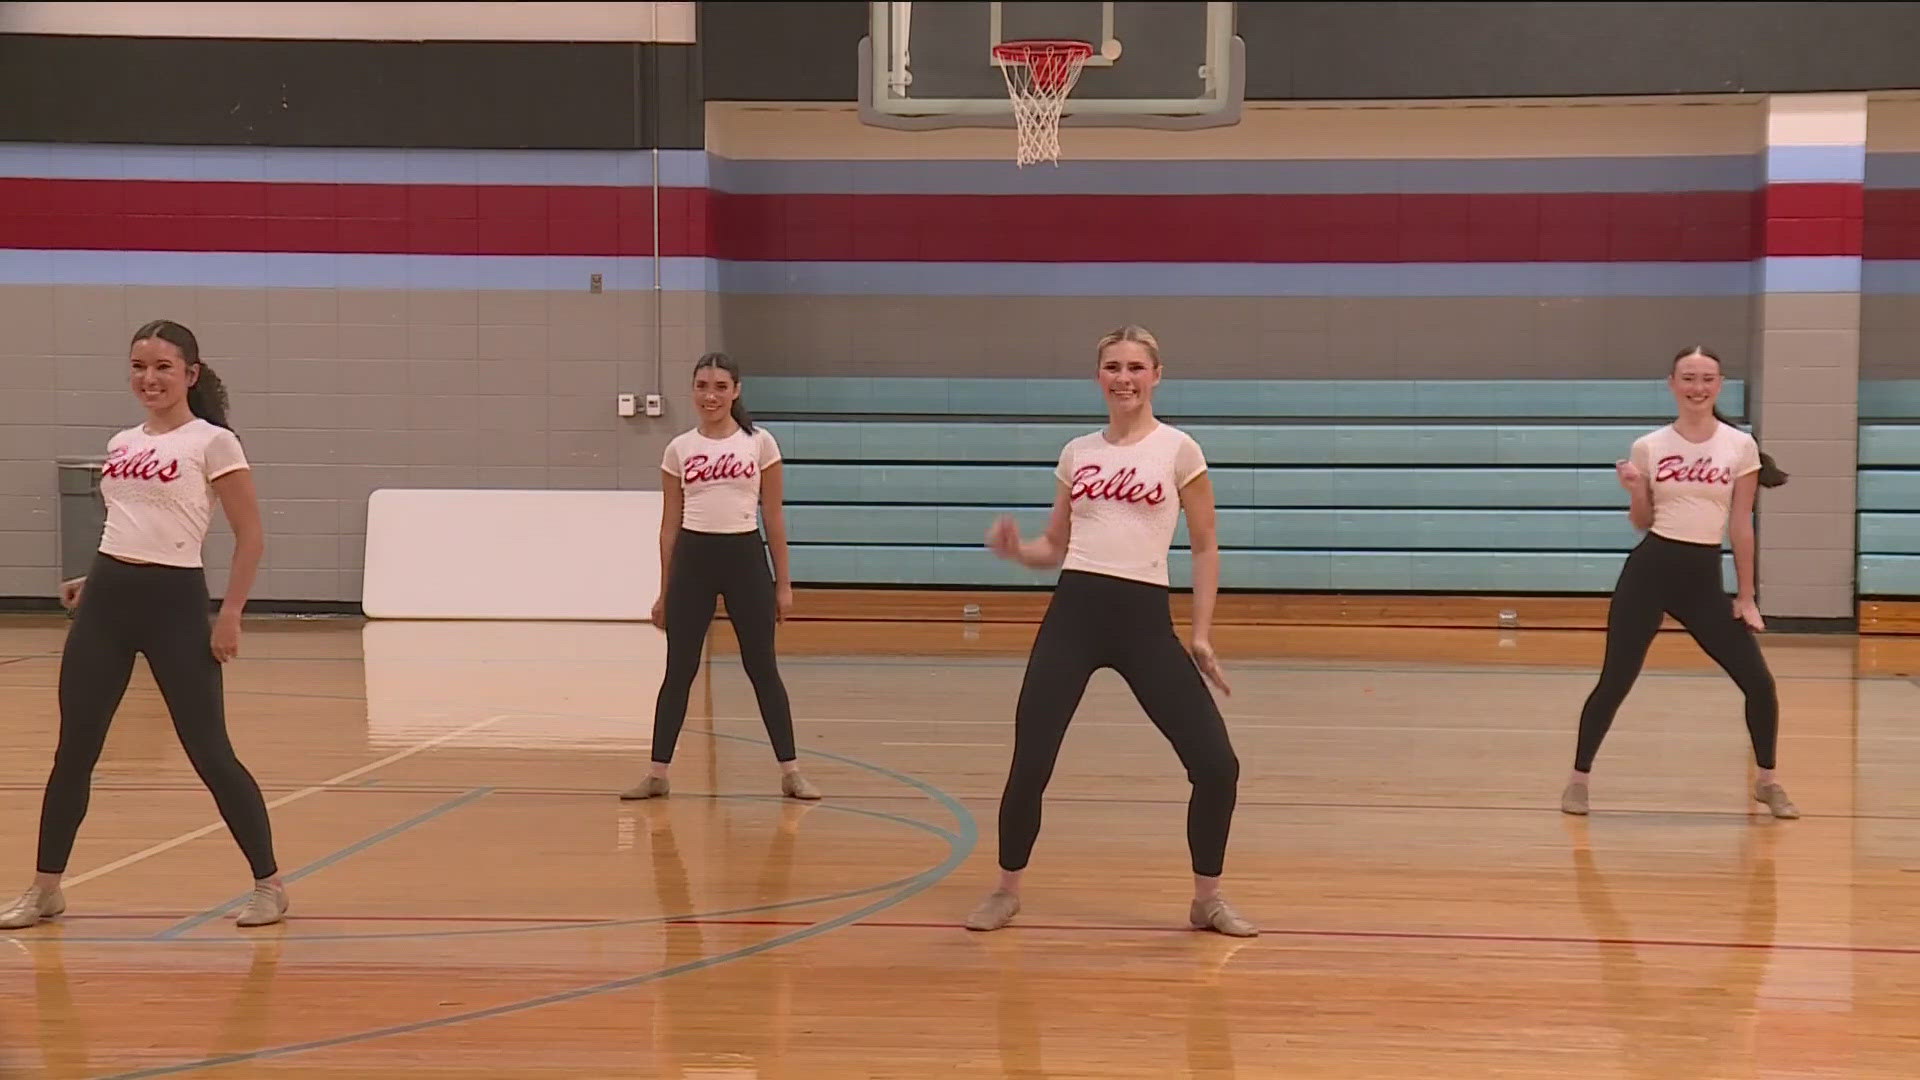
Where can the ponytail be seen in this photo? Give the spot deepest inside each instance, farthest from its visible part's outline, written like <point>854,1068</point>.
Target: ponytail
<point>207,397</point>
<point>726,363</point>
<point>1770,474</point>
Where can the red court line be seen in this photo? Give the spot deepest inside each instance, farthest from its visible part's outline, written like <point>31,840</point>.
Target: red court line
<point>1088,800</point>
<point>1102,928</point>
<point>1382,935</point>
<point>504,919</point>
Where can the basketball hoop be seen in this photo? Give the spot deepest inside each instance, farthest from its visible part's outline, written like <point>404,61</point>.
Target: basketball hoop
<point>1040,75</point>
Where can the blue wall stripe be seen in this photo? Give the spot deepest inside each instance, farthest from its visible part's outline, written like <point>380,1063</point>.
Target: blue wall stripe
<point>373,166</point>
<point>1890,277</point>
<point>1816,164</point>
<point>252,270</point>
<point>1740,172</point>
<point>697,168</point>
<point>1810,273</point>
<point>221,269</point>
<point>1240,279</point>
<point>1889,170</point>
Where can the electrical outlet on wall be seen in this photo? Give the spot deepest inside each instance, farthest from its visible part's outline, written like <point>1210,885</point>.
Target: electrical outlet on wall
<point>626,404</point>
<point>655,406</point>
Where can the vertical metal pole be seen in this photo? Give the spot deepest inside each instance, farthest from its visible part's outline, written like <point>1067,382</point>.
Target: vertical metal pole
<point>659,287</point>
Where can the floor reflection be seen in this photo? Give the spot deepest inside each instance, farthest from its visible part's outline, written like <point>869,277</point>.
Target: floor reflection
<point>522,686</point>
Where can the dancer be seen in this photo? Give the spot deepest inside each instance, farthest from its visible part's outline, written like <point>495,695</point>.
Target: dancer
<point>1685,483</point>
<point>1119,494</point>
<point>722,477</point>
<point>147,593</point>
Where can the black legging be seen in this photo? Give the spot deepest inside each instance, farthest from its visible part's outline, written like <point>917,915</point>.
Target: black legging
<point>1672,577</point>
<point>705,566</point>
<point>161,612</point>
<point>1093,622</point>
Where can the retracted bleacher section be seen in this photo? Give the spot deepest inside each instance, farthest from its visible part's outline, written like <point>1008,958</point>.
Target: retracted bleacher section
<point>1889,491</point>
<point>1341,486</point>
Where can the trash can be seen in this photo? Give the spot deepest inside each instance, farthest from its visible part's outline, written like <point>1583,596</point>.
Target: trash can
<point>83,513</point>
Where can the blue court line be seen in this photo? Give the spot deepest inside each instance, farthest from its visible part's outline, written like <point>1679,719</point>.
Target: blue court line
<point>922,881</point>
<point>1019,660</point>
<point>611,924</point>
<point>967,836</point>
<point>608,924</point>
<point>349,851</point>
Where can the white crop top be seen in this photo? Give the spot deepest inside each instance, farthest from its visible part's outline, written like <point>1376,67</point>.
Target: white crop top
<point>720,478</point>
<point>159,490</point>
<point>1693,482</point>
<point>1126,501</point>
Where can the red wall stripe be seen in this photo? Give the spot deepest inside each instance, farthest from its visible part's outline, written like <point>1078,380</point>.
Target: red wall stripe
<point>451,219</point>
<point>398,219</point>
<point>1814,201</point>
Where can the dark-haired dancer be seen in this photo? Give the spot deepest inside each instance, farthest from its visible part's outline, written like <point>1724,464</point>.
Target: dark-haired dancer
<point>1685,482</point>
<point>722,478</point>
<point>147,593</point>
<point>1118,496</point>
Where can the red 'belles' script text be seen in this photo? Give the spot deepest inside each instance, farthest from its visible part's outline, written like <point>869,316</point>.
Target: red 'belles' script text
<point>1697,471</point>
<point>1120,487</point>
<point>724,467</point>
<point>144,465</point>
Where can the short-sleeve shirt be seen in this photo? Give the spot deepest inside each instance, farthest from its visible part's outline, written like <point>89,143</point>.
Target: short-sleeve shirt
<point>720,478</point>
<point>159,490</point>
<point>1125,501</point>
<point>1692,482</point>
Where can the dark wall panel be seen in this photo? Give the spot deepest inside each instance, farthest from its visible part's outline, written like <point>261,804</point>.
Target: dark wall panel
<point>781,51</point>
<point>669,99</point>
<point>543,95</point>
<point>1425,50</point>
<point>1318,51</point>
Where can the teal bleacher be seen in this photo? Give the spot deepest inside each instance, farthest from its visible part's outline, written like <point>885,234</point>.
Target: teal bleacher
<point>1453,486</point>
<point>1889,492</point>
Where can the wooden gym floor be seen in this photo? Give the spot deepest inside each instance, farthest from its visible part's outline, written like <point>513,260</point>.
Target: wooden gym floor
<point>471,900</point>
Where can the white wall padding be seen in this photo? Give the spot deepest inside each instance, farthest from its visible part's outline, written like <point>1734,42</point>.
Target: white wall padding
<point>481,554</point>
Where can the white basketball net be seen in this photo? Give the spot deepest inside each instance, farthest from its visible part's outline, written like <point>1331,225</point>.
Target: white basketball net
<point>1039,76</point>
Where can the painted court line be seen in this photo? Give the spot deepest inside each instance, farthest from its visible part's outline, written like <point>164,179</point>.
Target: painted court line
<point>1390,935</point>
<point>1089,800</point>
<point>965,836</point>
<point>494,928</point>
<point>1248,722</point>
<point>310,917</point>
<point>920,882</point>
<point>188,838</point>
<point>989,745</point>
<point>186,925</point>
<point>527,927</point>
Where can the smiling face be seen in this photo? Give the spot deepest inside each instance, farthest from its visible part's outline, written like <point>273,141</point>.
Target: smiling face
<point>160,374</point>
<point>1128,373</point>
<point>1695,383</point>
<point>714,392</point>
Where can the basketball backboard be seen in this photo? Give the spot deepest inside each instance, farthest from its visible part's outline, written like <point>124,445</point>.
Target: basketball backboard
<point>1154,65</point>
